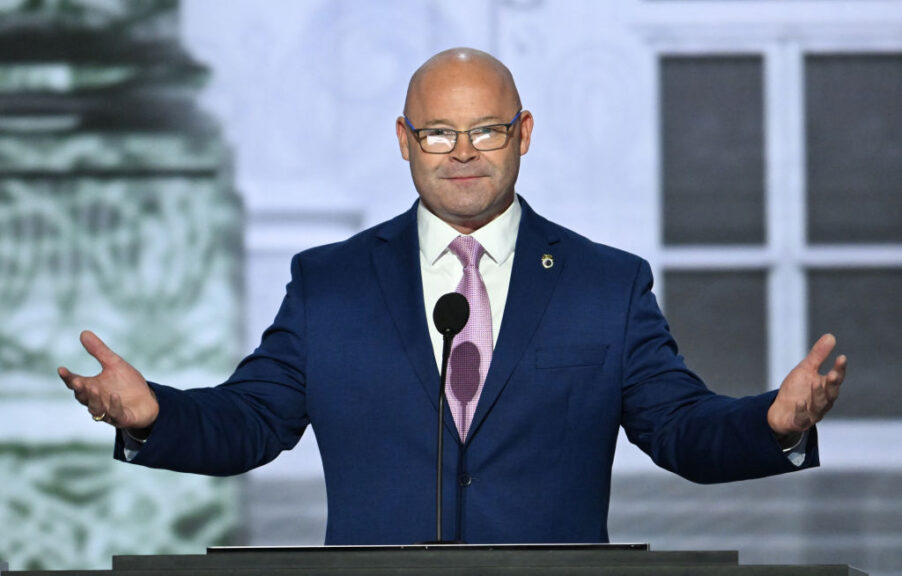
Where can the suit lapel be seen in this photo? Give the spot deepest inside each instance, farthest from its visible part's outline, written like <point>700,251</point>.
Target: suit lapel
<point>531,287</point>
<point>397,264</point>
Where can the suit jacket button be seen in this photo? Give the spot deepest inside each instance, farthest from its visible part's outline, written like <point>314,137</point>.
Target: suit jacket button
<point>465,480</point>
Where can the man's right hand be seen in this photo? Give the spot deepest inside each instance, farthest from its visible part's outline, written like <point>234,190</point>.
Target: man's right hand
<point>119,395</point>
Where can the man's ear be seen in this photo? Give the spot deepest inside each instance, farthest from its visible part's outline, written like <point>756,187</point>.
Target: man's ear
<point>526,122</point>
<point>401,131</point>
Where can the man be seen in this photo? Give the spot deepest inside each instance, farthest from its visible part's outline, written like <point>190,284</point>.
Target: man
<point>565,344</point>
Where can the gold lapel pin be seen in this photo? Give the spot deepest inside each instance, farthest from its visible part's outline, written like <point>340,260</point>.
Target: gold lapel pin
<point>547,261</point>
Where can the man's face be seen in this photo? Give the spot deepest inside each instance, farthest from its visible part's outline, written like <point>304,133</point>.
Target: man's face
<point>466,188</point>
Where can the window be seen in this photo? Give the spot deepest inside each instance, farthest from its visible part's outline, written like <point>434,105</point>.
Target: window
<point>781,214</point>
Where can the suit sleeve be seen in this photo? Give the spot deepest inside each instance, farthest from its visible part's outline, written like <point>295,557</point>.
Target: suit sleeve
<point>245,422</point>
<point>672,416</point>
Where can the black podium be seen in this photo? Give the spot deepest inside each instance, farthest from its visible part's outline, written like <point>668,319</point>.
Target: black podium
<point>450,560</point>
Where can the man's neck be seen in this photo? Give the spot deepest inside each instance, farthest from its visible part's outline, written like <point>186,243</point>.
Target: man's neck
<point>469,226</point>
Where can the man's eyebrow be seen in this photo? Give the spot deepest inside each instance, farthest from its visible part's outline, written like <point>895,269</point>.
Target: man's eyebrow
<point>482,121</point>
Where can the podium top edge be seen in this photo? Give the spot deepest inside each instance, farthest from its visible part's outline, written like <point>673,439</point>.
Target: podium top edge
<point>469,547</point>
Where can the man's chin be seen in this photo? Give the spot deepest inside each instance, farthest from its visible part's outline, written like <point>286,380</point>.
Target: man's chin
<point>471,220</point>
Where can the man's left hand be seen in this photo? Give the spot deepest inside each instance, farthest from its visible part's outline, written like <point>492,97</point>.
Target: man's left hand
<point>805,395</point>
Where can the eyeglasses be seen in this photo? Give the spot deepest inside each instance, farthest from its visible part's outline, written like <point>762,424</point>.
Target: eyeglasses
<point>443,140</point>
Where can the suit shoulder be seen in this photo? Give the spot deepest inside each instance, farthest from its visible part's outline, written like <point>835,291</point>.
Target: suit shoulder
<point>353,249</point>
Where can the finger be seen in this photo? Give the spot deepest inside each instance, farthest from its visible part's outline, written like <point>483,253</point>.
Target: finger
<point>836,376</point>
<point>820,351</point>
<point>834,379</point>
<point>79,388</point>
<point>820,400</point>
<point>95,403</point>
<point>68,378</point>
<point>96,348</point>
<point>83,396</point>
<point>839,371</point>
<point>801,419</point>
<point>831,385</point>
<point>78,384</point>
<point>117,415</point>
<point>95,407</point>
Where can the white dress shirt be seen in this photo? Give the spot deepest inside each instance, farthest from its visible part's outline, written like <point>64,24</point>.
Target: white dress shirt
<point>441,270</point>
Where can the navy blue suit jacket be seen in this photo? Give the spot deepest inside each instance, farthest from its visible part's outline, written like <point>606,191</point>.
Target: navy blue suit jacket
<point>583,349</point>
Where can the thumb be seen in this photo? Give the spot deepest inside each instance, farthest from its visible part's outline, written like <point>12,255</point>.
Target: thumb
<point>96,348</point>
<point>820,351</point>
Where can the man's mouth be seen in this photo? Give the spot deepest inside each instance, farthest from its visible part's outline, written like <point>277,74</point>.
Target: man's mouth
<point>463,178</point>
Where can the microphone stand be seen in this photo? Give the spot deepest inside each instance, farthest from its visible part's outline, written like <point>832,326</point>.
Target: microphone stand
<point>447,339</point>
<point>450,316</point>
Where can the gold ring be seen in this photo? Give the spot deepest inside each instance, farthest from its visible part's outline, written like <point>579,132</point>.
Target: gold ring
<point>99,418</point>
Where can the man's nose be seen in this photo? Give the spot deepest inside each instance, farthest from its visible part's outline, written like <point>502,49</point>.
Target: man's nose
<point>464,151</point>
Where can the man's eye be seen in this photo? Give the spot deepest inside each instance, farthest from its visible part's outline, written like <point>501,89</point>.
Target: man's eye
<point>437,133</point>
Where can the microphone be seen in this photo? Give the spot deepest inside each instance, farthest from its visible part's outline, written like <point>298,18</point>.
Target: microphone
<point>450,316</point>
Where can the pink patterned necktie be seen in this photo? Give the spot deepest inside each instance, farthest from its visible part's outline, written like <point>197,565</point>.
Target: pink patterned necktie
<point>471,351</point>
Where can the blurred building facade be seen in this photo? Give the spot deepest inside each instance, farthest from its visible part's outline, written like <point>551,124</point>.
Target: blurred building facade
<point>117,214</point>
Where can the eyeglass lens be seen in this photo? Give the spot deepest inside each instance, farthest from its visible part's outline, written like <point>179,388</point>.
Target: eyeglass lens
<point>483,139</point>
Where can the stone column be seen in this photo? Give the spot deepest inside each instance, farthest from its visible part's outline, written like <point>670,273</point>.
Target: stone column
<point>117,214</point>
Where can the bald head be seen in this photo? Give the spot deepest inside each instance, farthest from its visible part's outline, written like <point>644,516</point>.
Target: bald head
<point>462,65</point>
<point>472,94</point>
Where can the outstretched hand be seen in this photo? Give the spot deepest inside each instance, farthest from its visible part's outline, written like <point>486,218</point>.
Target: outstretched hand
<point>118,395</point>
<point>806,395</point>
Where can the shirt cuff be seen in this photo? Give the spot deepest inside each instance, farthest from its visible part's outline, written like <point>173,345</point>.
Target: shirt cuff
<point>131,445</point>
<point>796,454</point>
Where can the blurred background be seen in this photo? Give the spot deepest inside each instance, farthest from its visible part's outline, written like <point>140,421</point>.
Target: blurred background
<point>160,162</point>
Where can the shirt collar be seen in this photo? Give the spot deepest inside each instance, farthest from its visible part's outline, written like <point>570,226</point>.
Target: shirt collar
<point>498,237</point>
